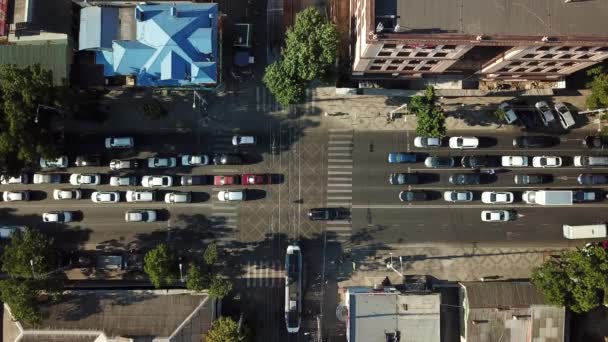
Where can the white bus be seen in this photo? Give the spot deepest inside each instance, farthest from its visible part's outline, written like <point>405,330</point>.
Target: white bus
<point>592,231</point>
<point>293,288</point>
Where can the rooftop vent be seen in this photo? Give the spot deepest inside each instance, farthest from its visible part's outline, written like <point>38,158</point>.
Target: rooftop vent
<point>173,11</point>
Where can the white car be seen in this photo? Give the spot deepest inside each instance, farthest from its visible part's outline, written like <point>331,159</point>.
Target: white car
<point>496,215</point>
<point>243,140</point>
<point>61,162</point>
<point>140,196</point>
<point>458,196</point>
<point>195,159</point>
<point>162,163</point>
<point>495,197</point>
<point>85,179</point>
<point>157,181</point>
<point>21,179</point>
<point>105,197</point>
<point>121,164</point>
<point>514,161</point>
<point>119,142</point>
<point>547,161</point>
<point>46,178</point>
<point>231,195</point>
<point>427,142</point>
<point>140,216</point>
<point>63,194</point>
<point>510,115</point>
<point>123,180</point>
<point>464,142</point>
<point>178,197</point>
<point>545,112</point>
<point>11,196</point>
<point>57,216</point>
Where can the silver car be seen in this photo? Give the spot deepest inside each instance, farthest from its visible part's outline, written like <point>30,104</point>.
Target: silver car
<point>458,196</point>
<point>85,179</point>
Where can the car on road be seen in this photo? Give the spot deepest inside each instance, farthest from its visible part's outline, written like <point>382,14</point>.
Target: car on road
<point>465,178</point>
<point>458,196</point>
<point>140,196</point>
<point>123,180</point>
<point>545,113</point>
<point>162,162</point>
<point>496,215</point>
<point>497,197</point>
<point>194,159</point>
<point>227,159</point>
<point>57,217</point>
<point>401,157</point>
<point>119,142</point>
<point>12,196</point>
<point>510,115</point>
<point>156,181</point>
<point>122,164</point>
<point>105,197</point>
<point>231,195</point>
<point>463,142</point>
<point>20,179</point>
<point>46,178</point>
<point>535,141</point>
<point>178,197</point>
<point>85,179</point>
<point>244,140</point>
<point>514,161</point>
<point>82,161</point>
<point>226,180</point>
<point>66,194</point>
<point>412,196</point>
<point>427,142</point>
<point>585,196</point>
<point>476,162</point>
<point>590,161</point>
<point>60,162</point>
<point>140,215</point>
<point>526,179</point>
<point>546,161</point>
<point>564,116</point>
<point>195,180</point>
<point>595,141</point>
<point>403,178</point>
<point>255,179</point>
<point>328,214</point>
<point>438,162</point>
<point>592,178</point>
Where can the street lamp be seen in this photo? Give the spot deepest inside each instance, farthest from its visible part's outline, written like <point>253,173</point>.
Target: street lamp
<point>181,277</point>
<point>32,265</point>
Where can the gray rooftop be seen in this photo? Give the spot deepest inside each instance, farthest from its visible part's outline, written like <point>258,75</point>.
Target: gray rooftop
<point>48,15</point>
<point>501,17</point>
<point>501,294</point>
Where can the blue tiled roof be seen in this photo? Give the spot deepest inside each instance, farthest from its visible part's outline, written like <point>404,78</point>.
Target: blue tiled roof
<point>98,27</point>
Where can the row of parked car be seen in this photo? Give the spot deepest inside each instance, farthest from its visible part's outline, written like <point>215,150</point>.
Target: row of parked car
<point>546,114</point>
<point>476,178</point>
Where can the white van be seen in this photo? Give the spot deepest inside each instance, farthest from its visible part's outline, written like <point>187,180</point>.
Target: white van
<point>592,231</point>
<point>119,142</point>
<point>590,161</point>
<point>243,140</point>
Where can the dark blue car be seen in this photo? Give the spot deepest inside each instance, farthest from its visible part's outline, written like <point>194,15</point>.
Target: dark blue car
<point>401,157</point>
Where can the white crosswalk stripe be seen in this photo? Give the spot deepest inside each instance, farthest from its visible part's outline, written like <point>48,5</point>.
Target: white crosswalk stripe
<point>263,273</point>
<point>224,216</point>
<point>339,179</point>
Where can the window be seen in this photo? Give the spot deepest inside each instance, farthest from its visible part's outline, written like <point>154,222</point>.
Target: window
<point>384,53</point>
<point>449,47</point>
<point>567,56</point>
<point>396,61</point>
<point>379,61</point>
<point>403,54</point>
<point>602,49</point>
<point>585,57</point>
<point>519,70</point>
<point>543,48</point>
<point>408,68</point>
<point>564,48</point>
<point>389,46</point>
<point>532,63</point>
<point>415,61</point>
<point>425,68</point>
<point>504,70</point>
<point>422,54</point>
<point>568,64</point>
<point>391,68</point>
<point>548,56</point>
<point>431,62</point>
<point>536,70</point>
<point>516,63</point>
<point>553,70</point>
<point>550,63</point>
<point>374,67</point>
<point>583,48</point>
<point>530,55</point>
<point>441,54</point>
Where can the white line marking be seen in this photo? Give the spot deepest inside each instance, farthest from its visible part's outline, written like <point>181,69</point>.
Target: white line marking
<point>330,172</point>
<point>340,130</point>
<point>340,222</point>
<point>339,198</point>
<point>339,142</point>
<point>337,204</point>
<point>339,166</point>
<point>339,190</point>
<point>338,136</point>
<point>340,148</point>
<point>339,154</point>
<point>473,206</point>
<point>340,160</point>
<point>347,179</point>
<point>339,229</point>
<point>339,185</point>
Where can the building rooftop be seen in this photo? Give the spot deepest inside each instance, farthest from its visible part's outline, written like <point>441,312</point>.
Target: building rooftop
<point>46,15</point>
<point>501,294</point>
<point>51,55</point>
<point>551,18</point>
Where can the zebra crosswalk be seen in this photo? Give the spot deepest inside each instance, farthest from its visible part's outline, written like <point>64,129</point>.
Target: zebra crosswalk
<point>340,178</point>
<point>263,273</point>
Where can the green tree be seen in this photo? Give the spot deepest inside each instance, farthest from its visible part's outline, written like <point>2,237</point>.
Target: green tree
<point>196,279</point>
<point>599,88</point>
<point>286,88</point>
<point>220,287</point>
<point>430,116</point>
<point>21,296</point>
<point>211,254</point>
<point>311,45</point>
<point>25,248</point>
<point>160,264</point>
<point>225,329</point>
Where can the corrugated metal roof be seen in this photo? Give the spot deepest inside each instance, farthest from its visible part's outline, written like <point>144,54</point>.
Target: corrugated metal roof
<point>501,294</point>
<point>98,27</point>
<point>53,55</point>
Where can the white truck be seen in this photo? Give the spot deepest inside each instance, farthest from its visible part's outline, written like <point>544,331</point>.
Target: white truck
<point>548,197</point>
<point>592,231</point>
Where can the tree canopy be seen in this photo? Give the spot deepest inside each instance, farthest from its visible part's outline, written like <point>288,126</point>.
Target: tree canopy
<point>220,287</point>
<point>599,88</point>
<point>225,329</point>
<point>286,88</point>
<point>21,296</point>
<point>211,254</point>
<point>25,246</point>
<point>430,116</point>
<point>196,279</point>
<point>160,264</point>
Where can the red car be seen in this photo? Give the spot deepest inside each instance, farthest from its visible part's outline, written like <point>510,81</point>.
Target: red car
<point>251,179</point>
<point>226,180</point>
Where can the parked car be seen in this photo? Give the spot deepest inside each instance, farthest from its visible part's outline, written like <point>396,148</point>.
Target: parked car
<point>514,161</point>
<point>476,162</point>
<point>20,179</point>
<point>592,178</point>
<point>195,180</point>
<point>227,159</point>
<point>105,197</point>
<point>162,162</point>
<point>463,142</point>
<point>65,194</point>
<point>12,196</point>
<point>255,179</point>
<point>226,180</point>
<point>497,197</point>
<point>595,141</point>
<point>194,159</point>
<point>244,140</point>
<point>140,196</point>
<point>510,115</point>
<point>585,196</point>
<point>60,162</point>
<point>328,214</point>
<point>57,217</point>
<point>178,197</point>
<point>427,142</point>
<point>525,179</point>
<point>546,161</point>
<point>590,161</point>
<point>458,196</point>
<point>46,178</point>
<point>121,164</point>
<point>535,141</point>
<point>88,161</point>
<point>85,179</point>
<point>156,181</point>
<point>412,196</point>
<point>465,178</point>
<point>401,157</point>
<point>545,112</point>
<point>123,180</point>
<point>437,162</point>
<point>564,116</point>
<point>496,215</point>
<point>140,215</point>
<point>119,142</point>
<point>231,195</point>
<point>403,178</point>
